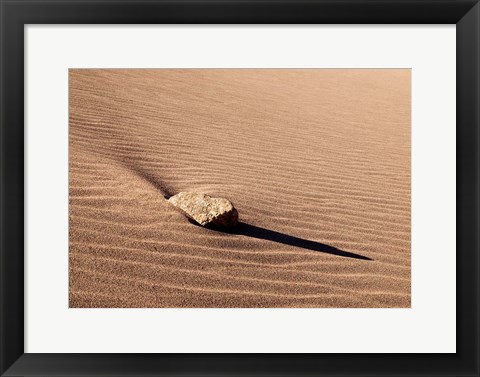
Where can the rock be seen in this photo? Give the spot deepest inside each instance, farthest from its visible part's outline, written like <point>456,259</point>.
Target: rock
<point>205,210</point>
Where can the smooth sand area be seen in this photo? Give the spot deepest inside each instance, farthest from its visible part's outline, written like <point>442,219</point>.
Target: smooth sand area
<point>317,162</point>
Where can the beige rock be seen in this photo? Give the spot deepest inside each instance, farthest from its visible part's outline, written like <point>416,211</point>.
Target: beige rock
<point>205,210</point>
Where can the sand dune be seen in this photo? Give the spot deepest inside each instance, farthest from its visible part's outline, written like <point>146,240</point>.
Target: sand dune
<point>317,162</point>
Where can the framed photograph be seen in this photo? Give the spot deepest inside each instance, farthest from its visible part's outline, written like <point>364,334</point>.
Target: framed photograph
<point>239,188</point>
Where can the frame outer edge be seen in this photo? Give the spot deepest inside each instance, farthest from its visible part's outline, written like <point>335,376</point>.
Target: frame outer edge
<point>468,188</point>
<point>11,187</point>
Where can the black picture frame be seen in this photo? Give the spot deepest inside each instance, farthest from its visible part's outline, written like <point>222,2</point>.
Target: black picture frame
<point>17,13</point>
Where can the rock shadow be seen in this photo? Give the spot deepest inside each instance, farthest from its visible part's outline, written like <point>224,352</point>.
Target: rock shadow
<point>253,231</point>
<point>150,178</point>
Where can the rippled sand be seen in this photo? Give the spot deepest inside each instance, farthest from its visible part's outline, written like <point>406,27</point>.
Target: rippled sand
<point>317,162</point>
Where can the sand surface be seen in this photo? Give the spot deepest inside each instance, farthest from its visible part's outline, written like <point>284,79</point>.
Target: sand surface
<point>317,162</point>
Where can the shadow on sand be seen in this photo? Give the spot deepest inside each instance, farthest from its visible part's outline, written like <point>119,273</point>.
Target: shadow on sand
<point>248,230</point>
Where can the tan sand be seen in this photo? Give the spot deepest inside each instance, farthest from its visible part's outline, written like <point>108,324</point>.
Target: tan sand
<point>317,162</point>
